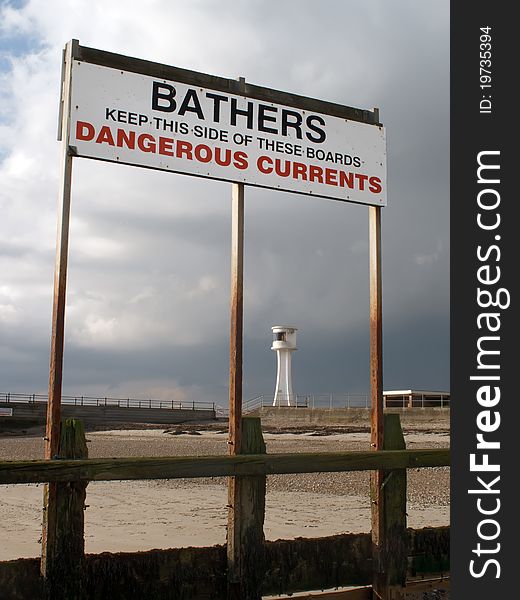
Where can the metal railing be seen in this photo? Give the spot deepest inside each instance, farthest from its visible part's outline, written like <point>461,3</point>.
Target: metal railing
<point>335,400</point>
<point>107,401</point>
<point>342,400</point>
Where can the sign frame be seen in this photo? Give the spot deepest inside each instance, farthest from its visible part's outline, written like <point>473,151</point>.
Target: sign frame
<point>334,151</point>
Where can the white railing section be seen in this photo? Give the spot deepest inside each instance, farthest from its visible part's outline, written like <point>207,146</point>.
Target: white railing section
<point>344,400</point>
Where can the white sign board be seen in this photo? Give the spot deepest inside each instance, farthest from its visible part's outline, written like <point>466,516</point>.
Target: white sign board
<point>146,121</point>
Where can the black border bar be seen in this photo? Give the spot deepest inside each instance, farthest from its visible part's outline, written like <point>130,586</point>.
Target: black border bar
<point>484,351</point>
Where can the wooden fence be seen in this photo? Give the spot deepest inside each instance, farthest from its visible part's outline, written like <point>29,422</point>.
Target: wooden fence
<point>248,566</point>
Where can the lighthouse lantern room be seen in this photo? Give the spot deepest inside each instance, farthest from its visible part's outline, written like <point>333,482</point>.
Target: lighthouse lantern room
<point>284,344</point>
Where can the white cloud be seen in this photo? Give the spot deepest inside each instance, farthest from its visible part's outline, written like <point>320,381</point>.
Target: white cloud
<point>431,258</point>
<point>8,313</point>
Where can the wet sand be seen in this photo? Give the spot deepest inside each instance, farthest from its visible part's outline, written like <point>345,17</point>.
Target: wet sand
<point>141,515</point>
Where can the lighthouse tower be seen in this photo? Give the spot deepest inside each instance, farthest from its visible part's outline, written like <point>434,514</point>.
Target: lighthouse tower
<point>284,344</point>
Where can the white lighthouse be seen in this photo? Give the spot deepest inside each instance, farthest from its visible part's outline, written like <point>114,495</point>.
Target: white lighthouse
<point>284,344</point>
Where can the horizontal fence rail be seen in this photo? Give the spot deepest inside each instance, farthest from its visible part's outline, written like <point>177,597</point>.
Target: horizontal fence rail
<point>107,401</point>
<point>107,469</point>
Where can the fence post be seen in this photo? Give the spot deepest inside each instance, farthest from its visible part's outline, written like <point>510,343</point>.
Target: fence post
<point>245,536</point>
<point>62,563</point>
<point>390,573</point>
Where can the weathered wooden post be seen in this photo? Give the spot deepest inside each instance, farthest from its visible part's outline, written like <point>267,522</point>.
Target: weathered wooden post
<point>394,551</point>
<point>52,433</point>
<point>63,560</point>
<point>245,542</point>
<point>388,488</point>
<point>237,318</point>
<point>376,396</point>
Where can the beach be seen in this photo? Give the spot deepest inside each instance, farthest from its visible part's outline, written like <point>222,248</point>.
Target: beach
<point>143,515</point>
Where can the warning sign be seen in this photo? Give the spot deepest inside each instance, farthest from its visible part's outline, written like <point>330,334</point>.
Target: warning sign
<point>136,119</point>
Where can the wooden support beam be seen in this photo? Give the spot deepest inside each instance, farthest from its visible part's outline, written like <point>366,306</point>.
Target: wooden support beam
<point>52,433</point>
<point>245,536</point>
<point>235,509</point>
<point>52,436</point>
<point>376,385</point>
<point>237,308</point>
<point>376,330</point>
<point>229,86</point>
<point>393,553</point>
<point>112,469</point>
<point>62,563</point>
<point>238,490</point>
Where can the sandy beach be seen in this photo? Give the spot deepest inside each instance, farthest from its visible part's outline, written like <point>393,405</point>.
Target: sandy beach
<point>141,515</point>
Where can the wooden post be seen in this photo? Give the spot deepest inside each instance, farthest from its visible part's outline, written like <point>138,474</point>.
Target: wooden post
<point>237,304</point>
<point>52,434</point>
<point>395,538</point>
<point>64,560</point>
<point>376,395</point>
<point>235,505</point>
<point>376,330</point>
<point>245,542</point>
<point>236,515</point>
<point>237,314</point>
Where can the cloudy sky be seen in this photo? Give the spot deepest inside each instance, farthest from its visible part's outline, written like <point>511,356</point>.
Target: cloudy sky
<point>149,267</point>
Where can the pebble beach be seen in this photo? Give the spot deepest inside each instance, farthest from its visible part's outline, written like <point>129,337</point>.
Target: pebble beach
<point>128,516</point>
<point>141,515</point>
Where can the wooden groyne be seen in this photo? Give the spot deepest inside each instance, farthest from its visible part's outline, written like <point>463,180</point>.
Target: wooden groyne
<point>248,566</point>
